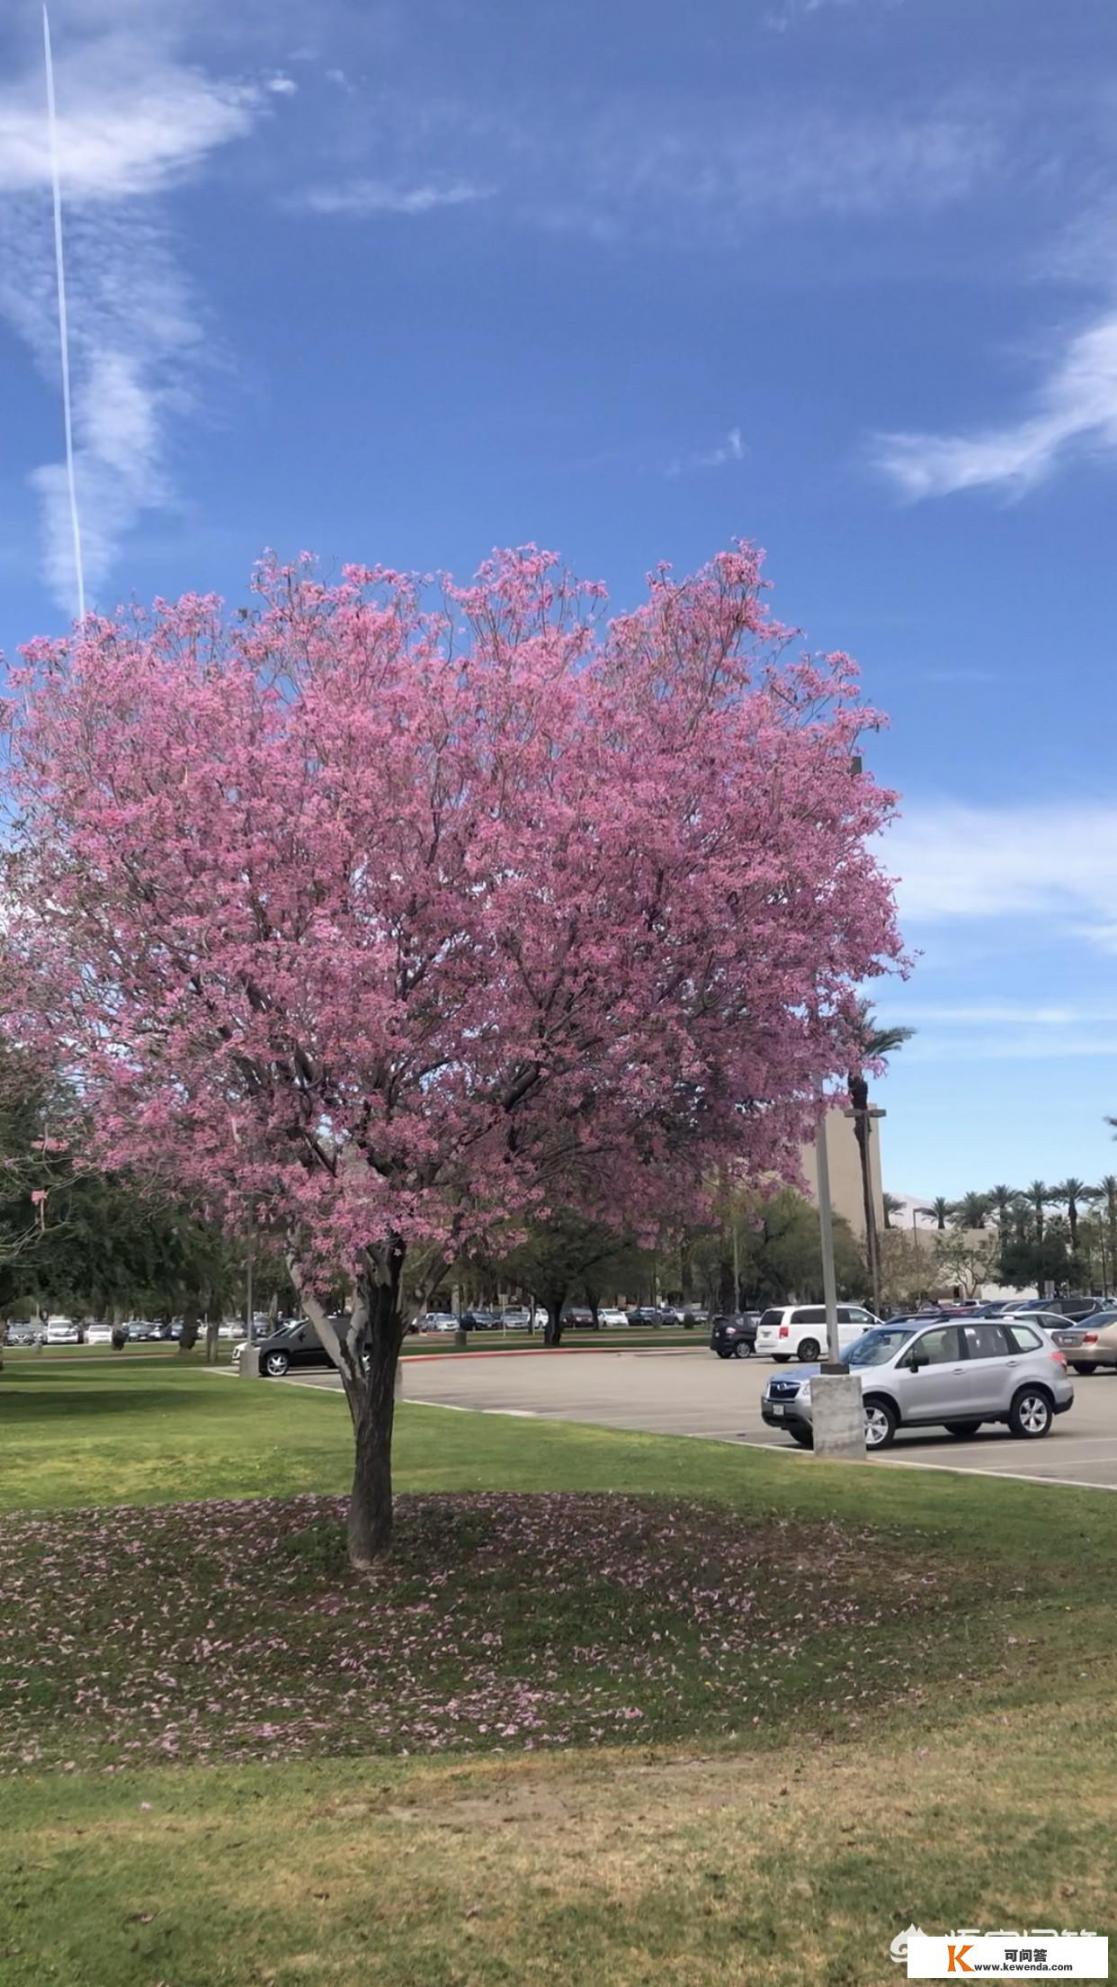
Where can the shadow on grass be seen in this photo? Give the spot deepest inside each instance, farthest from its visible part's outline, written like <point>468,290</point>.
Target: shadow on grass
<point>21,1406</point>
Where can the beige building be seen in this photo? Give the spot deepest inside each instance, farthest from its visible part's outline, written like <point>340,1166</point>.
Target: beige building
<point>846,1196</point>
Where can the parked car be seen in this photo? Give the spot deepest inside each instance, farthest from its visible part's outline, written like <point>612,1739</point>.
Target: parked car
<point>798,1331</point>
<point>579,1318</point>
<point>480,1321</point>
<point>955,1375</point>
<point>141,1328</point>
<point>21,1333</point>
<point>611,1318</point>
<point>437,1321</point>
<point>733,1334</point>
<point>643,1314</point>
<point>1066,1307</point>
<point>293,1344</point>
<point>1050,1321</point>
<point>1088,1343</point>
<point>695,1314</point>
<point>98,1334</point>
<point>62,1331</point>
<point>521,1317</point>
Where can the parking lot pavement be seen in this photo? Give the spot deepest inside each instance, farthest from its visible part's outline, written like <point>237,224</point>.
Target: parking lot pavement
<point>690,1392</point>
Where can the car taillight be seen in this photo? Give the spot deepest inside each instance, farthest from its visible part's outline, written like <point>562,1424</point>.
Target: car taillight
<point>1060,1358</point>
<point>1089,1338</point>
<point>785,1331</point>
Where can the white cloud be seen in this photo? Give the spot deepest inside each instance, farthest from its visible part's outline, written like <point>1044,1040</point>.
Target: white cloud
<point>281,85</point>
<point>132,122</point>
<point>119,134</point>
<point>957,863</point>
<point>360,197</point>
<point>786,15</point>
<point>732,449</point>
<point>1075,409</point>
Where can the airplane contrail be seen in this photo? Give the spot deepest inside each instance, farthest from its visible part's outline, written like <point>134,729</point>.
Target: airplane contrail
<point>63,322</point>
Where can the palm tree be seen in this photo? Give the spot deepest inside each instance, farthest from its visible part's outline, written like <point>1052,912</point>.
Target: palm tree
<point>871,1045</point>
<point>1107,1191</point>
<point>941,1209</point>
<point>1004,1201</point>
<point>1068,1195</point>
<point>1039,1195</point>
<point>970,1211</point>
<point>891,1206</point>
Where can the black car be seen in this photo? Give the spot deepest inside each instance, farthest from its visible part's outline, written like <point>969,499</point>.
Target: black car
<point>579,1318</point>
<point>1066,1307</point>
<point>294,1344</point>
<point>733,1334</point>
<point>480,1321</point>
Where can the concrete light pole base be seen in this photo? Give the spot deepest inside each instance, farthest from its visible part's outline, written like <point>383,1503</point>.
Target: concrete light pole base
<point>838,1417</point>
<point>248,1365</point>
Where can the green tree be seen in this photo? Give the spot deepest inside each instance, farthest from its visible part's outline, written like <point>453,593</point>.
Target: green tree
<point>891,1206</point>
<point>966,1262</point>
<point>940,1209</point>
<point>781,1254</point>
<point>566,1256</point>
<point>1029,1260</point>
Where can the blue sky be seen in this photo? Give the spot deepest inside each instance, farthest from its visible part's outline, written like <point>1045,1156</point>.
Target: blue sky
<point>400,282</point>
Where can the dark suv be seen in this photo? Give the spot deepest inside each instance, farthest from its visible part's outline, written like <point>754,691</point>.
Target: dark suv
<point>733,1335</point>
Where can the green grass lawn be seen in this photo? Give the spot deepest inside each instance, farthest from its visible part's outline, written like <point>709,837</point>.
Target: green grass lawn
<point>629,1709</point>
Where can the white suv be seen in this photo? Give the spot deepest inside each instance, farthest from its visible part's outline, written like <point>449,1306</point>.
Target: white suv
<point>798,1331</point>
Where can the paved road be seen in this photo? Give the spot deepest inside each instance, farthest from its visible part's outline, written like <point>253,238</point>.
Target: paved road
<point>690,1392</point>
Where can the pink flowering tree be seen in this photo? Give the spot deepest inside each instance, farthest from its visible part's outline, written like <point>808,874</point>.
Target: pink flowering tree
<point>390,919</point>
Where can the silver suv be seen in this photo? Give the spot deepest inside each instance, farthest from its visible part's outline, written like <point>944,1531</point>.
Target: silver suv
<point>954,1375</point>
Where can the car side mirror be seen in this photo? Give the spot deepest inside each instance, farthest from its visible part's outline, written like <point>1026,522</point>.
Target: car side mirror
<point>917,1364</point>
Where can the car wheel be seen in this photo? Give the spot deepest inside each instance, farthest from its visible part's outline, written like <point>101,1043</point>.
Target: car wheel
<point>962,1428</point>
<point>1085,1365</point>
<point>881,1422</point>
<point>803,1436</point>
<point>742,1351</point>
<point>724,1354</point>
<point>276,1364</point>
<point>1030,1414</point>
<point>809,1348</point>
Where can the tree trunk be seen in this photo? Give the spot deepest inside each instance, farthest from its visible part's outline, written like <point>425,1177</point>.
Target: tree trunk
<point>370,1502</point>
<point>370,1389</point>
<point>553,1301</point>
<point>365,1351</point>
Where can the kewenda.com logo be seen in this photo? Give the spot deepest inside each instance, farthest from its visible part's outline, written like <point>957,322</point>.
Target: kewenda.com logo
<point>969,1953</point>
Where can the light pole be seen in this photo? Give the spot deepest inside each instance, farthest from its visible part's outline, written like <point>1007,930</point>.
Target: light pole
<point>837,1409</point>
<point>826,1239</point>
<point>864,1118</point>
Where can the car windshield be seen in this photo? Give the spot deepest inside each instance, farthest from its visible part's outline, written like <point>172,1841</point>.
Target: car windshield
<point>879,1345</point>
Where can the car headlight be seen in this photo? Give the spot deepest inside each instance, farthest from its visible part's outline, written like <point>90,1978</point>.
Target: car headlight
<point>805,1391</point>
